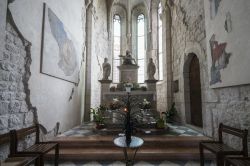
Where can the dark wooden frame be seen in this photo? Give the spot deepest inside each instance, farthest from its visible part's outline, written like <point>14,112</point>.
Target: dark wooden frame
<point>237,161</point>
<point>220,149</point>
<point>16,135</point>
<point>5,139</point>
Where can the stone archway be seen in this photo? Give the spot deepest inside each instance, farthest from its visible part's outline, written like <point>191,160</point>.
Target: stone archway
<point>192,91</point>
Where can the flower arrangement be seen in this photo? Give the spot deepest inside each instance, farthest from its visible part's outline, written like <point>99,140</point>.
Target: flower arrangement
<point>145,104</point>
<point>127,84</point>
<point>116,104</point>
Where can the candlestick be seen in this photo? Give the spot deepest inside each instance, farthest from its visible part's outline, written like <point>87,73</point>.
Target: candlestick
<point>128,128</point>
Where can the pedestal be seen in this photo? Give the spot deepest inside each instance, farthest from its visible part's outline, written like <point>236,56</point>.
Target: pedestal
<point>129,73</point>
<point>105,86</point>
<point>151,85</point>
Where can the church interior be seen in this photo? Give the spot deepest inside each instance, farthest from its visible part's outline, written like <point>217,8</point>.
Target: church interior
<point>124,82</point>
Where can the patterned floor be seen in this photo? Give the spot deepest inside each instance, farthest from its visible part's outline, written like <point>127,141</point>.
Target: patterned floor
<point>173,130</point>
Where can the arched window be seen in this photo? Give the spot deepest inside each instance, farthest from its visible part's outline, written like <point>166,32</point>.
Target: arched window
<point>116,47</point>
<point>160,56</point>
<point>141,47</point>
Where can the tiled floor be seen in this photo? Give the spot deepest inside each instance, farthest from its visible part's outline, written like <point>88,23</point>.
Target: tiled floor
<point>174,130</point>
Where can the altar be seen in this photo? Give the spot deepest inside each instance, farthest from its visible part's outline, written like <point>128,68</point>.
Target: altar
<point>136,97</point>
<point>128,78</point>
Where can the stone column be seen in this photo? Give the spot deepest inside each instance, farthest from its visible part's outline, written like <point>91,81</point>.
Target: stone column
<point>105,85</point>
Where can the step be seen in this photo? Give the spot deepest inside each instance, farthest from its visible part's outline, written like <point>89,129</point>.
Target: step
<point>149,141</point>
<point>116,153</point>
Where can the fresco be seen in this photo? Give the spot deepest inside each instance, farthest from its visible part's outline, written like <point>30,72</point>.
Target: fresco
<point>220,59</point>
<point>59,50</point>
<point>214,5</point>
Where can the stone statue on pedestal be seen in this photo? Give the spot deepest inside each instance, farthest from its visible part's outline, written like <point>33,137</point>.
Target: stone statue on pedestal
<point>127,59</point>
<point>151,69</point>
<point>106,69</point>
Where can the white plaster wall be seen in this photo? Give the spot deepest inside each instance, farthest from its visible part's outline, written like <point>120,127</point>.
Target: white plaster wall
<point>50,95</point>
<point>238,40</point>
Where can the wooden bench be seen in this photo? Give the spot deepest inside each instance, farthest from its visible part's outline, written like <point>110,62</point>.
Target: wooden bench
<point>40,148</point>
<point>237,161</point>
<point>18,159</point>
<point>220,149</point>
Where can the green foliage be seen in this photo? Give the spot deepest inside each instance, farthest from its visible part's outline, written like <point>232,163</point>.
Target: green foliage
<point>170,114</point>
<point>160,124</point>
<point>97,114</point>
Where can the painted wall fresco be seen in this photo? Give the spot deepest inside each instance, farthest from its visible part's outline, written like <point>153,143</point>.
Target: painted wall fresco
<point>58,49</point>
<point>220,59</point>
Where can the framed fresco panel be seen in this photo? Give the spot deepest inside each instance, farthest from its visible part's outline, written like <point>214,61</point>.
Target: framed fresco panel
<point>60,52</point>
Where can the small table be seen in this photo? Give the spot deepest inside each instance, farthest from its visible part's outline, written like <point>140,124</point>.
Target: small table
<point>237,161</point>
<point>135,144</point>
<point>19,161</point>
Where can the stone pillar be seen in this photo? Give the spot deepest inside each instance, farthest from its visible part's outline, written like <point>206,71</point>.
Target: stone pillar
<point>105,85</point>
<point>151,85</point>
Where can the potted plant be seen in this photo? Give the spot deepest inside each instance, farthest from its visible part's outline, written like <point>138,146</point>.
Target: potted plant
<point>160,124</point>
<point>98,117</point>
<point>136,86</point>
<point>170,114</point>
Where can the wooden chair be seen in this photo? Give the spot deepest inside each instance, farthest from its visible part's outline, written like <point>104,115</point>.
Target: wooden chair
<point>237,161</point>
<point>40,148</point>
<point>21,159</point>
<point>220,149</point>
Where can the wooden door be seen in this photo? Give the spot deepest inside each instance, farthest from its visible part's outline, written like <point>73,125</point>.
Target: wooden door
<point>195,92</point>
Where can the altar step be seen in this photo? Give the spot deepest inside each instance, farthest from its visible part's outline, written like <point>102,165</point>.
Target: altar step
<point>147,154</point>
<point>154,148</point>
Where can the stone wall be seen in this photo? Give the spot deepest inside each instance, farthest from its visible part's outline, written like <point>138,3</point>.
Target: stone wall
<point>16,110</point>
<point>100,49</point>
<point>229,105</point>
<point>56,100</point>
<point>188,36</point>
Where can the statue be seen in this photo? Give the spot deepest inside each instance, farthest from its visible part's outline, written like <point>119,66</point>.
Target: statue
<point>106,67</point>
<point>151,69</point>
<point>127,59</point>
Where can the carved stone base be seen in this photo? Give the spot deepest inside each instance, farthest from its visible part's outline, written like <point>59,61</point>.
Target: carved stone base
<point>105,85</point>
<point>128,73</point>
<point>151,85</point>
